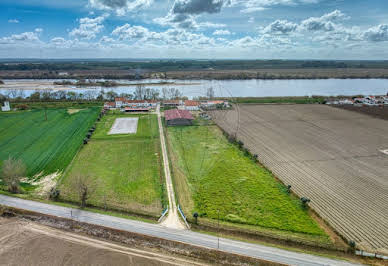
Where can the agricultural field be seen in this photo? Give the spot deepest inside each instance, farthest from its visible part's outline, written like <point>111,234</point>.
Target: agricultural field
<point>330,155</point>
<point>215,178</point>
<point>125,168</point>
<point>44,146</point>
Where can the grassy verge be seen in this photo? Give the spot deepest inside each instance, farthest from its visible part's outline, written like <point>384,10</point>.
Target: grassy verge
<point>125,168</point>
<point>215,179</point>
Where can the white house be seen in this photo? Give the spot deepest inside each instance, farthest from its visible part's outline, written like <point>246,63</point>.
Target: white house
<point>6,107</point>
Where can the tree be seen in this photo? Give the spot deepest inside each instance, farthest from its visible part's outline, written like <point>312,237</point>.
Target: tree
<point>210,93</point>
<point>139,92</point>
<point>85,186</point>
<point>12,171</point>
<point>111,95</point>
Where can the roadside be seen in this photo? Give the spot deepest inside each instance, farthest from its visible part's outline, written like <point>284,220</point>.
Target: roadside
<point>173,239</point>
<point>24,242</point>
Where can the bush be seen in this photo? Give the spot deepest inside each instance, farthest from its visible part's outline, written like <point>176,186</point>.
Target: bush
<point>54,193</point>
<point>22,107</point>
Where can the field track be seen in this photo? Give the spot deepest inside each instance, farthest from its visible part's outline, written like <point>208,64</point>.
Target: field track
<point>329,155</point>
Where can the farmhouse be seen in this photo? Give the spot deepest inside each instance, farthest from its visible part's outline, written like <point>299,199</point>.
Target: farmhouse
<point>173,103</point>
<point>175,117</point>
<point>191,105</point>
<point>6,107</point>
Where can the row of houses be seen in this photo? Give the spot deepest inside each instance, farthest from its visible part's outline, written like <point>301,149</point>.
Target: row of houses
<point>146,105</point>
<point>362,101</point>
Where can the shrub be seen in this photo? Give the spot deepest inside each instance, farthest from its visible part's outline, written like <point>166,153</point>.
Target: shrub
<point>22,107</point>
<point>235,219</point>
<point>54,193</point>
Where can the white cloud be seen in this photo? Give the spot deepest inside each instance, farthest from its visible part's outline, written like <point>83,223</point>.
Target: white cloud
<point>24,37</point>
<point>88,28</point>
<point>280,27</point>
<point>221,32</point>
<point>249,6</point>
<point>326,22</point>
<point>121,7</point>
<point>377,34</point>
<point>13,21</point>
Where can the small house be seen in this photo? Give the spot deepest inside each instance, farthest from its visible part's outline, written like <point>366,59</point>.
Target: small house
<point>175,117</point>
<point>6,107</point>
<point>191,105</point>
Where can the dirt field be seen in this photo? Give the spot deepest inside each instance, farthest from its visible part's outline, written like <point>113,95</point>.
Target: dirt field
<point>375,111</point>
<point>329,155</point>
<point>27,243</point>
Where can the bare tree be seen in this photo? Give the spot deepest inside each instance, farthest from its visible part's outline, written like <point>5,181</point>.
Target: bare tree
<point>85,186</point>
<point>210,93</point>
<point>139,92</point>
<point>12,171</point>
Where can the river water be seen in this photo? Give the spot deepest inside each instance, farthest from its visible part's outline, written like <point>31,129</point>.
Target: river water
<point>227,88</point>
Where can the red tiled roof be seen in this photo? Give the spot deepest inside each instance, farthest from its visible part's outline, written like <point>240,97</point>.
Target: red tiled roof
<point>176,114</point>
<point>171,102</point>
<point>120,99</point>
<point>110,103</point>
<point>191,103</point>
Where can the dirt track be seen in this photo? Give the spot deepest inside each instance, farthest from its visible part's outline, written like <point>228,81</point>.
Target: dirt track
<point>27,243</point>
<point>329,155</point>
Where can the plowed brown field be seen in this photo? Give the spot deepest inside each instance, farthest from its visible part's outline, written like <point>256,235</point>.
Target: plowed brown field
<point>329,155</point>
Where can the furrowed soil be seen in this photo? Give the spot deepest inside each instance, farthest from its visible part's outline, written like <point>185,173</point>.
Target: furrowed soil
<point>329,155</point>
<point>24,242</point>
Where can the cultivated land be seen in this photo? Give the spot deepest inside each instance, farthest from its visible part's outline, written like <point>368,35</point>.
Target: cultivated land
<point>28,243</point>
<point>329,155</point>
<point>126,168</point>
<point>44,146</point>
<point>210,175</point>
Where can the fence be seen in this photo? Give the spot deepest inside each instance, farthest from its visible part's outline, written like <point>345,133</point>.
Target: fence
<point>183,216</point>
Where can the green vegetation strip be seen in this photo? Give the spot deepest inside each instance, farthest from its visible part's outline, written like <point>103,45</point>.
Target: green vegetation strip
<point>125,168</point>
<point>214,178</point>
<point>44,145</point>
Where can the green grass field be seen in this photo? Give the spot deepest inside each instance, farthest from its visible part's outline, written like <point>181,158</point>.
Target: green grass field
<point>212,175</point>
<point>126,168</point>
<point>44,146</point>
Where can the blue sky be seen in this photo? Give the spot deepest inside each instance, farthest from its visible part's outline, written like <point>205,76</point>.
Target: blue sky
<point>215,29</point>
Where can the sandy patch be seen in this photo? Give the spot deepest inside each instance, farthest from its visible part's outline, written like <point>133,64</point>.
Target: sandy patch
<point>44,183</point>
<point>73,111</point>
<point>126,125</point>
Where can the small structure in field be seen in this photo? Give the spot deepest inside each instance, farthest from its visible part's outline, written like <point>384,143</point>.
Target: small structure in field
<point>6,107</point>
<point>175,117</point>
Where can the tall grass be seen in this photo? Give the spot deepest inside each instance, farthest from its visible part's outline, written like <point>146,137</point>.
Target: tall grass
<point>222,179</point>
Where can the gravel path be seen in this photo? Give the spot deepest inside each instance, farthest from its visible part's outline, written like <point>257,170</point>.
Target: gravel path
<point>172,220</point>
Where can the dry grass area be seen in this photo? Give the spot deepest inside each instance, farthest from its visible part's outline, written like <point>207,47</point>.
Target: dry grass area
<point>27,243</point>
<point>329,155</point>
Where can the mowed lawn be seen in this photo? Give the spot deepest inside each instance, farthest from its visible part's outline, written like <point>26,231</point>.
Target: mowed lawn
<point>126,168</point>
<point>213,175</point>
<point>44,146</point>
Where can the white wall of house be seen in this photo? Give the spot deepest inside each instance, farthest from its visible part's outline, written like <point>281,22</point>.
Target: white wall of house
<point>192,108</point>
<point>6,107</point>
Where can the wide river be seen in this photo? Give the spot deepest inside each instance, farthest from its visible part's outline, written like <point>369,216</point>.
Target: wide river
<point>227,88</point>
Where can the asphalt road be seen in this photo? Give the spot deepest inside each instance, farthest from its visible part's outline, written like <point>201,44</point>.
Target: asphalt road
<point>184,236</point>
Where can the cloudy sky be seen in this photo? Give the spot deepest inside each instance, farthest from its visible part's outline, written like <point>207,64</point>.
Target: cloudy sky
<point>213,29</point>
